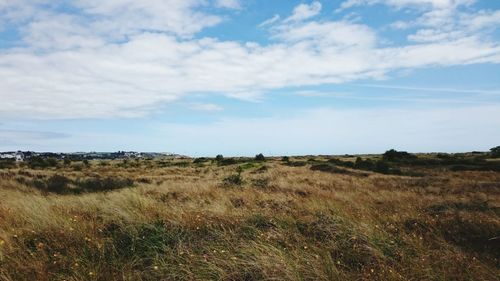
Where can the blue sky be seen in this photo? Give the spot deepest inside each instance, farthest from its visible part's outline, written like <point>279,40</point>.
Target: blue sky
<point>203,77</point>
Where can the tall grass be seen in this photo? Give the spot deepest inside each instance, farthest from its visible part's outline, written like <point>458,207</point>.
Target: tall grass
<point>285,222</point>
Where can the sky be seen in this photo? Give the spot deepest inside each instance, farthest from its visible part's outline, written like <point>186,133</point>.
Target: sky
<point>235,77</point>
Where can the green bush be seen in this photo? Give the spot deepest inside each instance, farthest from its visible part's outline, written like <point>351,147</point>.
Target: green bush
<point>495,152</point>
<point>260,157</point>
<point>233,180</point>
<point>98,184</point>
<point>394,155</point>
<point>7,163</point>
<point>58,184</point>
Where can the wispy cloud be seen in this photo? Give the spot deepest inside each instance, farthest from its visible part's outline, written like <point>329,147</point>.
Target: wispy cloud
<point>304,11</point>
<point>209,107</point>
<point>270,21</point>
<point>438,90</point>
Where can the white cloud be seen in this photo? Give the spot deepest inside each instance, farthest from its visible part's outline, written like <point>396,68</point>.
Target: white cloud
<point>332,33</point>
<point>482,19</point>
<point>304,11</point>
<point>440,4</point>
<point>80,68</point>
<point>129,16</point>
<point>230,4</point>
<point>209,107</point>
<point>270,21</point>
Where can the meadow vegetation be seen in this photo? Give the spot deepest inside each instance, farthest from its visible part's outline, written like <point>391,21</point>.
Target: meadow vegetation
<point>395,216</point>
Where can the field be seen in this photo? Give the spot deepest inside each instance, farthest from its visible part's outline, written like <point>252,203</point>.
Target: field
<point>406,217</point>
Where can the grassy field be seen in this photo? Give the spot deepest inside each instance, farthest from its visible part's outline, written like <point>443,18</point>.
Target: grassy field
<point>433,217</point>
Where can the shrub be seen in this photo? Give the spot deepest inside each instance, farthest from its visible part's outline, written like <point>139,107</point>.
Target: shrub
<point>200,160</point>
<point>296,163</point>
<point>233,180</point>
<point>219,158</point>
<point>227,162</point>
<point>58,184</point>
<point>394,155</point>
<point>51,162</point>
<point>77,167</point>
<point>285,159</point>
<point>329,168</point>
<point>364,164</point>
<point>339,162</point>
<point>7,163</point>
<point>98,184</point>
<point>37,162</point>
<point>495,152</point>
<point>261,183</point>
<point>260,157</point>
<point>381,166</point>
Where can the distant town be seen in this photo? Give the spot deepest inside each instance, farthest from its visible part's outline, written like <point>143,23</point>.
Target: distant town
<point>21,156</point>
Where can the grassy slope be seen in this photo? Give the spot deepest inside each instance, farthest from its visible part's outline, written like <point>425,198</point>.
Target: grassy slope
<point>282,223</point>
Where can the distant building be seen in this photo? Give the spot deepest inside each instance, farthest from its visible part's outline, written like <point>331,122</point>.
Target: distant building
<point>19,156</point>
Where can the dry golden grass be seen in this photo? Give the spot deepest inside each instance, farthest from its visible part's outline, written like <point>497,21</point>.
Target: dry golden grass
<point>281,223</point>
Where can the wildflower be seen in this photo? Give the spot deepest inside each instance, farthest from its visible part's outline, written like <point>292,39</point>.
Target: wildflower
<point>155,267</point>
<point>2,242</point>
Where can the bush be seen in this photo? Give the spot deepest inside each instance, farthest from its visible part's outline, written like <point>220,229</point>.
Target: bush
<point>98,184</point>
<point>7,163</point>
<point>58,184</point>
<point>338,162</point>
<point>200,160</point>
<point>233,180</point>
<point>260,157</point>
<point>394,155</point>
<point>495,152</point>
<point>364,164</point>
<point>227,162</point>
<point>329,168</point>
<point>381,167</point>
<point>37,163</point>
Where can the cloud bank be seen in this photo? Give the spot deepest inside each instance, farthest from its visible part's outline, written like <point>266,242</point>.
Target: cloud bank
<point>124,58</point>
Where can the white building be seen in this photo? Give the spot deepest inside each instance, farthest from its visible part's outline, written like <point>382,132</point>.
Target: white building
<point>19,157</point>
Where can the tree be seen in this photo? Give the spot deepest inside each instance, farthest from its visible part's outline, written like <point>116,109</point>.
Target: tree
<point>219,158</point>
<point>495,152</point>
<point>260,157</point>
